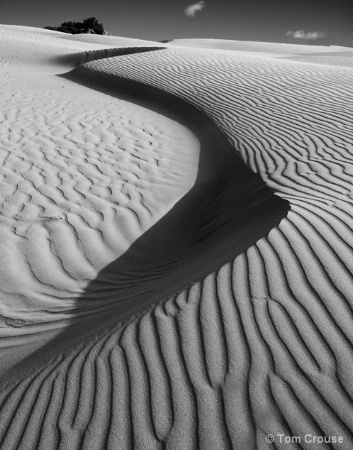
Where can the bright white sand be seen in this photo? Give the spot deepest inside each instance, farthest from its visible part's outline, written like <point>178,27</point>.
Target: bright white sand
<point>154,292</point>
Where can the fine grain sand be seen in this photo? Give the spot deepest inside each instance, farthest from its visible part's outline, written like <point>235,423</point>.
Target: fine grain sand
<point>176,243</point>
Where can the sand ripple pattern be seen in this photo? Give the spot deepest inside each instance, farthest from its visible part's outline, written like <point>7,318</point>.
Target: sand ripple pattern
<point>82,177</point>
<point>263,345</point>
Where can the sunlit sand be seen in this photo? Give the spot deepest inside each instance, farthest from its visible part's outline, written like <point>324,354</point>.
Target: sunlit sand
<point>176,242</point>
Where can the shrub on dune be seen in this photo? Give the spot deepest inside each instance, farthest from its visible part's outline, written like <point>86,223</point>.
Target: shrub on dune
<point>90,25</point>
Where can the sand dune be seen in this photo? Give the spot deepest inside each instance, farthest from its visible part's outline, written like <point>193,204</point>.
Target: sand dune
<point>176,243</point>
<point>332,55</point>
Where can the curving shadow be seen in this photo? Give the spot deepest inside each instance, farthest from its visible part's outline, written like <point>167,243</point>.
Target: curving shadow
<point>227,210</point>
<point>75,59</point>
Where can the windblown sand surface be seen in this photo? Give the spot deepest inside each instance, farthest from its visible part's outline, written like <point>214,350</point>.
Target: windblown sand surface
<point>176,243</point>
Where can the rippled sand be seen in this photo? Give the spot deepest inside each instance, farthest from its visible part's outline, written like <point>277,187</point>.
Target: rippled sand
<point>176,242</point>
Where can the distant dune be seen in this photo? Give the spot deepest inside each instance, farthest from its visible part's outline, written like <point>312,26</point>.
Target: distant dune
<point>176,242</point>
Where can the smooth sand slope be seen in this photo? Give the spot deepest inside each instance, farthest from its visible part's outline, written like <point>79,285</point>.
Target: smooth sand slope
<point>155,293</point>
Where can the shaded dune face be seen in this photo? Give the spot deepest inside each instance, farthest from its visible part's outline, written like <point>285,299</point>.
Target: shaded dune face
<point>226,316</point>
<point>210,224</point>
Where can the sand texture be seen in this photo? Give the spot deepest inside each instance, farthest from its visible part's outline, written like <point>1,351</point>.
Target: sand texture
<point>176,235</point>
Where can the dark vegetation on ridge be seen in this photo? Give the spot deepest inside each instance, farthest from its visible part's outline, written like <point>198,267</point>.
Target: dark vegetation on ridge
<point>90,26</point>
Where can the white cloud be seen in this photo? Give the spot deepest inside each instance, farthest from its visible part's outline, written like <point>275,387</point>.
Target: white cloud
<point>311,35</point>
<point>193,9</point>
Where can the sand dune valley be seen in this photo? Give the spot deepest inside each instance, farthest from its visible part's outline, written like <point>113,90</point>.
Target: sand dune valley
<point>176,244</point>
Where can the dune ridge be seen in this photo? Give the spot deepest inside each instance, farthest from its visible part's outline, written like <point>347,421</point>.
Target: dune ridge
<point>264,343</point>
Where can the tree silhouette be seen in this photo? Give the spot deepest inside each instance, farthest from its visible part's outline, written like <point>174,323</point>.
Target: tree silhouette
<point>90,25</point>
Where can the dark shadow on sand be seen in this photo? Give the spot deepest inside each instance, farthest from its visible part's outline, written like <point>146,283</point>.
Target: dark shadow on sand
<point>75,59</point>
<point>227,210</point>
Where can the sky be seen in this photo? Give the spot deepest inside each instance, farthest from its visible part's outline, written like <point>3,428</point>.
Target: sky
<point>319,22</point>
